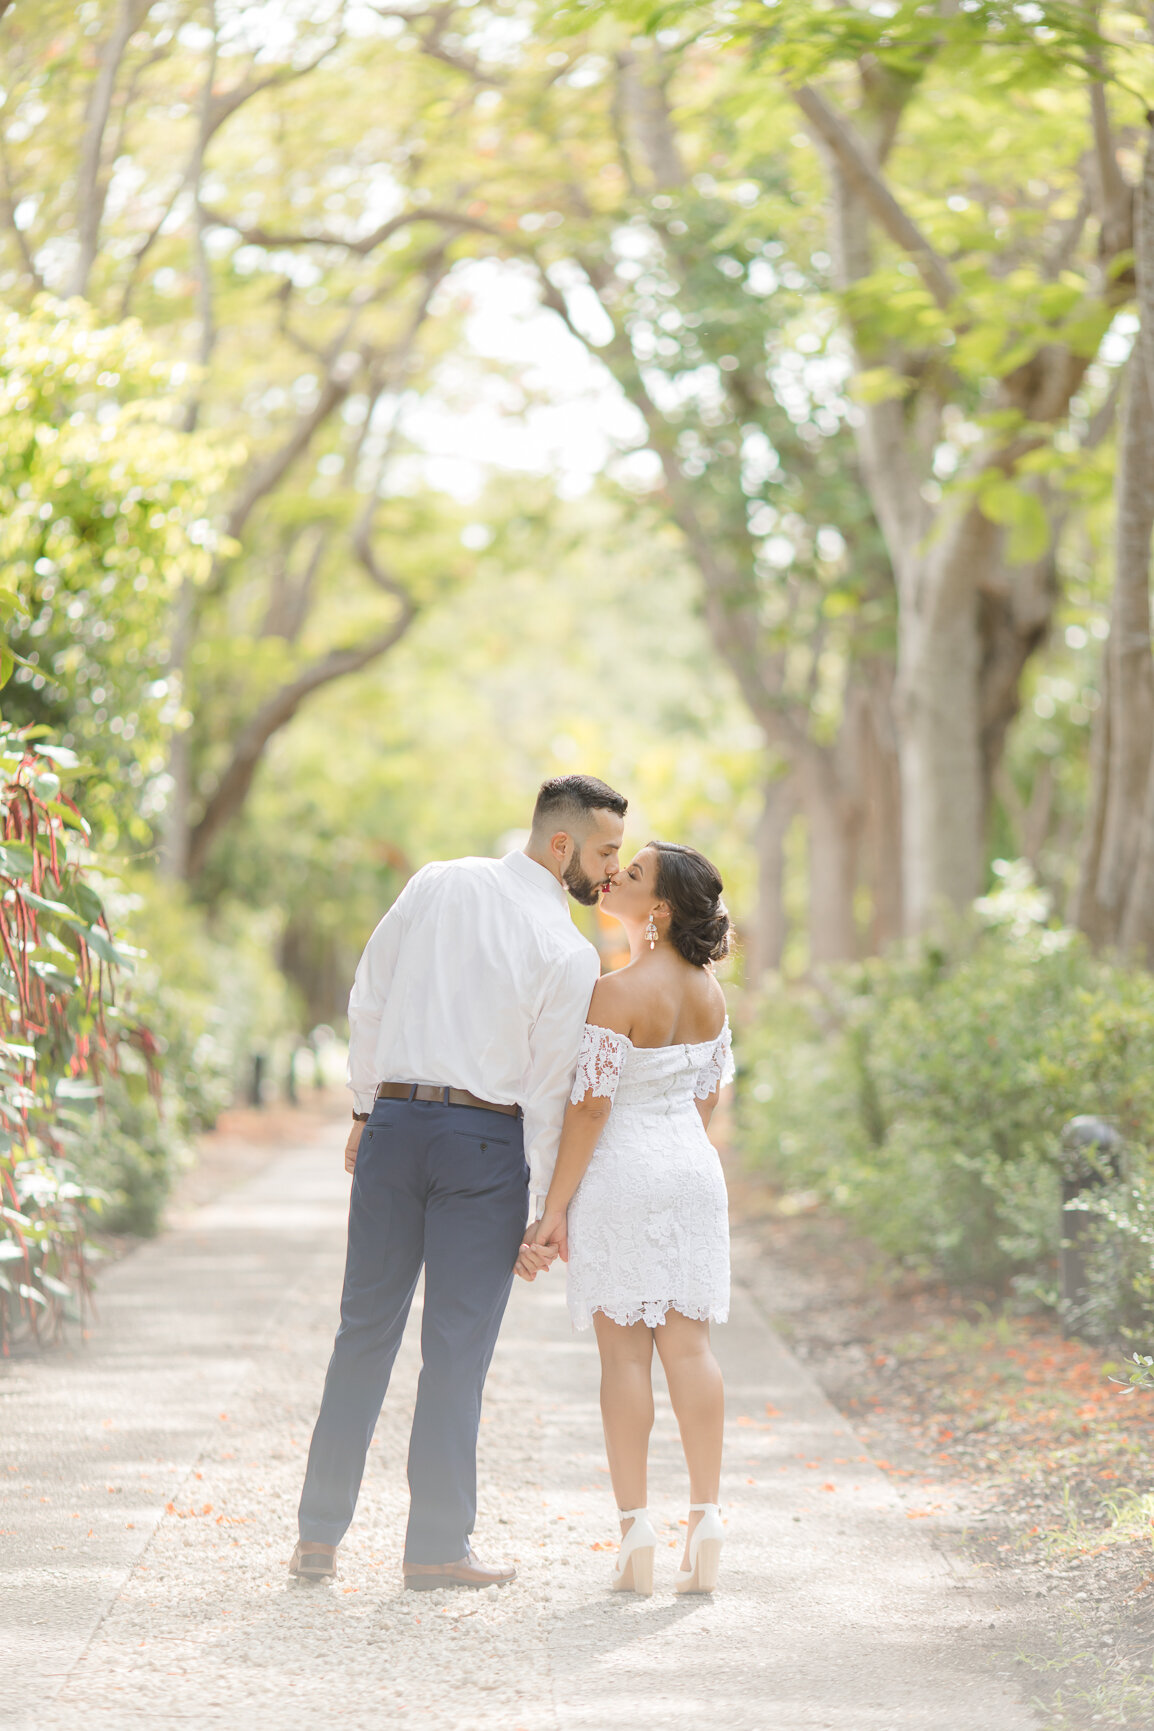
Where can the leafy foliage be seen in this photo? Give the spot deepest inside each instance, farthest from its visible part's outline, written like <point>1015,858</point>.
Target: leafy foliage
<point>925,1095</point>
<point>103,516</point>
<point>63,1033</point>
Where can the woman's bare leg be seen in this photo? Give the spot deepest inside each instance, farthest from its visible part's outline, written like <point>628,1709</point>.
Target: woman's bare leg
<point>698,1396</point>
<point>626,1406</point>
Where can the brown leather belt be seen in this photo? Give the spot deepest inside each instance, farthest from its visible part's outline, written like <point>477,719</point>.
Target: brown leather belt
<point>441,1096</point>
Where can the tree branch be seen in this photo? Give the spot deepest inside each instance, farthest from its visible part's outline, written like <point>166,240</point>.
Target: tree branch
<point>265,476</point>
<point>225,105</point>
<point>432,41</point>
<point>864,178</point>
<point>274,714</point>
<point>8,204</point>
<point>256,236</point>
<point>730,601</point>
<point>1115,194</point>
<point>91,183</point>
<point>203,268</point>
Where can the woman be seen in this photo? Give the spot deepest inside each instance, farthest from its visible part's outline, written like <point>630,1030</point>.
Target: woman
<point>637,1205</point>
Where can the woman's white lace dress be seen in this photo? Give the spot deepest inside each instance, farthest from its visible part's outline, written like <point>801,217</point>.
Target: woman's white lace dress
<point>649,1224</point>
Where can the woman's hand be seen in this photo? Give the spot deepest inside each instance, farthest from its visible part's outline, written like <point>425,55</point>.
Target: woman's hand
<point>553,1232</point>
<point>536,1257</point>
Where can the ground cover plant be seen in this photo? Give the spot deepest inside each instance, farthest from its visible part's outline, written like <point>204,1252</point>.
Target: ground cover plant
<point>924,1097</point>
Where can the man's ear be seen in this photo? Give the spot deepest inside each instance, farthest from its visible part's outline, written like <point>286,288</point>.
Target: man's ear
<point>560,845</point>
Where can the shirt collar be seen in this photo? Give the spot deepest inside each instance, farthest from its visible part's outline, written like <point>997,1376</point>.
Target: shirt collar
<point>531,873</point>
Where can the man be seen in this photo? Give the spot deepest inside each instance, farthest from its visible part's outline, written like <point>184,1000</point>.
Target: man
<point>465,1022</point>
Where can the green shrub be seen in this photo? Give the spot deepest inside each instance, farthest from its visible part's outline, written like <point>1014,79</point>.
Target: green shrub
<point>210,993</point>
<point>925,1094</point>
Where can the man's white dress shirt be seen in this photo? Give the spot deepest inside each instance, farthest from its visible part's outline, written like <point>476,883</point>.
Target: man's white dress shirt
<point>477,978</point>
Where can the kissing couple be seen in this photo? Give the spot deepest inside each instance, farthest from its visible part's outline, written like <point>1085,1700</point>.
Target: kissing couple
<point>513,1107</point>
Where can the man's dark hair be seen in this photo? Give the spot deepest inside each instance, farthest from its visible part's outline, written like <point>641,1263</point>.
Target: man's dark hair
<point>570,799</point>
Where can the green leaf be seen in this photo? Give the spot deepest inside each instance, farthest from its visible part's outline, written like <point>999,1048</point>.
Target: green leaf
<point>880,385</point>
<point>60,909</point>
<point>33,1296</point>
<point>99,942</point>
<point>66,815</point>
<point>10,1251</point>
<point>61,754</point>
<point>50,1284</point>
<point>15,858</point>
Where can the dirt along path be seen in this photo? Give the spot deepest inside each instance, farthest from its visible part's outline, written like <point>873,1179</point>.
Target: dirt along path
<point>150,1481</point>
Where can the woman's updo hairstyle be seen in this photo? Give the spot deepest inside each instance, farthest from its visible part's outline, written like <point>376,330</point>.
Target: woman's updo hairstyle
<point>699,925</point>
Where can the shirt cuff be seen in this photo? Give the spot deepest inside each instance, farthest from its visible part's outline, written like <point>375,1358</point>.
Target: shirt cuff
<point>363,1102</point>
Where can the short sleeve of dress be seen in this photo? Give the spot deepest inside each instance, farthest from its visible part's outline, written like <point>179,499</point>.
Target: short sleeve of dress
<point>718,1068</point>
<point>599,1063</point>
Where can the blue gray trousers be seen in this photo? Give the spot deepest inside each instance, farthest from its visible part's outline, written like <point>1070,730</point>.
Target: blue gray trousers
<point>446,1187</point>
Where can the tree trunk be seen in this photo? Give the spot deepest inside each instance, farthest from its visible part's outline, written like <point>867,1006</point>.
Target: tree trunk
<point>1126,729</point>
<point>832,823</point>
<point>1135,530</point>
<point>765,945</point>
<point>943,790</point>
<point>172,861</point>
<point>881,800</point>
<point>91,180</point>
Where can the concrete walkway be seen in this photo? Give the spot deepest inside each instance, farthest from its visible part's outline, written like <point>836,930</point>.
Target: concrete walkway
<point>149,1481</point>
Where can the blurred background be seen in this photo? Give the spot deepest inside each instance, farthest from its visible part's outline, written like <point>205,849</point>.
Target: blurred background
<point>400,404</point>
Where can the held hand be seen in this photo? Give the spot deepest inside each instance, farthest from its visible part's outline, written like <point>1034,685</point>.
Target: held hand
<point>534,1258</point>
<point>553,1232</point>
<point>352,1145</point>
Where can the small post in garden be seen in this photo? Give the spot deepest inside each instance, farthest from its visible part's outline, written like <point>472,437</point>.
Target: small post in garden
<point>256,1080</point>
<point>1091,1158</point>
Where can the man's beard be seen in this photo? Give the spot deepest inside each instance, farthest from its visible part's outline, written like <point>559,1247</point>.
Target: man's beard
<point>580,885</point>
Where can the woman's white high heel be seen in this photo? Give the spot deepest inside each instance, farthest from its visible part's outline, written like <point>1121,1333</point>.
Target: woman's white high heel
<point>704,1551</point>
<point>633,1572</point>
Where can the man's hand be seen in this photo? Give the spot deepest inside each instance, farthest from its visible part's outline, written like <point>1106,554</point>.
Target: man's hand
<point>352,1145</point>
<point>534,1259</point>
<point>544,1241</point>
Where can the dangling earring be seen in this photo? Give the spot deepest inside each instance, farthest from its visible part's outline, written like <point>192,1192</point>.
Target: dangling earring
<point>651,932</point>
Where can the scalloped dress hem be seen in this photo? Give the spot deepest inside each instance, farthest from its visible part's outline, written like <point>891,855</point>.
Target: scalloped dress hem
<point>651,1312</point>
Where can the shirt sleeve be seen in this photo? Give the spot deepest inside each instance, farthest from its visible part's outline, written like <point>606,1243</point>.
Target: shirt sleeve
<point>554,1043</point>
<point>718,1068</point>
<point>367,1000</point>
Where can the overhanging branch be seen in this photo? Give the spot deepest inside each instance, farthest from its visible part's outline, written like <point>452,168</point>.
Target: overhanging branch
<point>861,174</point>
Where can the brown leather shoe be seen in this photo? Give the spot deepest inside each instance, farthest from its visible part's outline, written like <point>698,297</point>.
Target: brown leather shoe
<point>314,1562</point>
<point>468,1572</point>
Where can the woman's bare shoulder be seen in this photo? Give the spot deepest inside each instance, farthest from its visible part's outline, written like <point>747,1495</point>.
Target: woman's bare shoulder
<point>708,1007</point>
<point>614,1002</point>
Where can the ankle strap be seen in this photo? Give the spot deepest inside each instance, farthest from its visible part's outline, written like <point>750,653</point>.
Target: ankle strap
<point>700,1508</point>
<point>630,1514</point>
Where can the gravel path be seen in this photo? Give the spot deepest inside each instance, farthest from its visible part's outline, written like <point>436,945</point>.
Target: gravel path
<point>150,1483</point>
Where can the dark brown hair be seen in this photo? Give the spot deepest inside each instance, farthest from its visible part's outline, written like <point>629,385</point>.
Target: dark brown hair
<point>573,797</point>
<point>699,924</point>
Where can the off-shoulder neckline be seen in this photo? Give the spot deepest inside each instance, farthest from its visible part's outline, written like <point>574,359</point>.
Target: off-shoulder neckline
<point>673,1046</point>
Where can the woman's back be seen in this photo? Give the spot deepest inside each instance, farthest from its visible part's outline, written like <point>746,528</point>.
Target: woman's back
<point>660,1001</point>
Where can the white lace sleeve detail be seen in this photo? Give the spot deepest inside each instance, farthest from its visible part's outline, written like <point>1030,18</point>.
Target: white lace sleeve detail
<point>599,1063</point>
<point>719,1069</point>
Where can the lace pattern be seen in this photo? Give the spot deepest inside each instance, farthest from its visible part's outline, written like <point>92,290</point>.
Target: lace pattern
<point>599,1063</point>
<point>652,1312</point>
<point>649,1224</point>
<point>719,1069</point>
